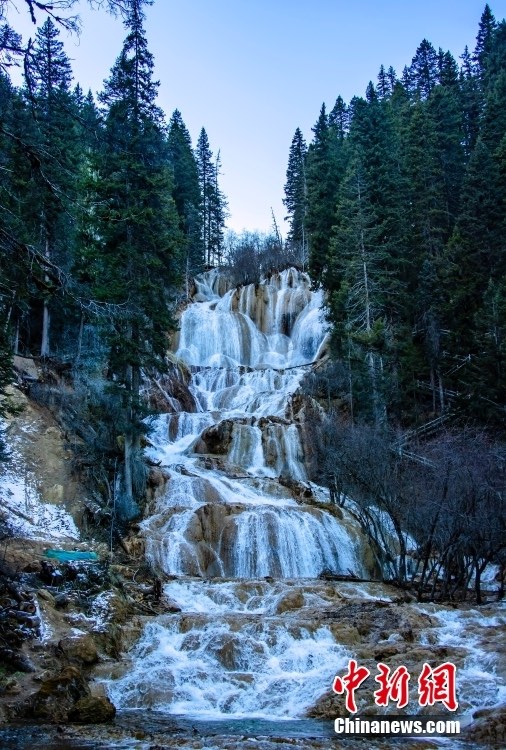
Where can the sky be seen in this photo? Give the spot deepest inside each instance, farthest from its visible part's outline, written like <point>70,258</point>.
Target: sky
<point>252,71</point>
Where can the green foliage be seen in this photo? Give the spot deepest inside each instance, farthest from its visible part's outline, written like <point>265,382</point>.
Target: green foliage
<point>405,206</point>
<point>295,198</point>
<point>133,255</point>
<point>186,192</point>
<point>102,217</point>
<point>323,174</point>
<point>213,204</point>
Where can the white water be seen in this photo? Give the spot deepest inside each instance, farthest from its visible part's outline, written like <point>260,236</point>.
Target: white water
<point>213,669</point>
<point>239,346</point>
<point>245,553</point>
<point>235,523</point>
<point>480,679</point>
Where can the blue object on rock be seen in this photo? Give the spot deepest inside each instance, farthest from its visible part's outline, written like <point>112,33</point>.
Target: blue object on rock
<point>64,555</point>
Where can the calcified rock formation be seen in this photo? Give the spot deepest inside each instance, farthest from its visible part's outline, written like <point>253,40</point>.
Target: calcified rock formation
<point>246,349</point>
<point>236,507</point>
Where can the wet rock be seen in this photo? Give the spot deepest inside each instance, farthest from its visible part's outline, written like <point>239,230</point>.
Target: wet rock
<point>9,685</point>
<point>50,574</point>
<point>157,479</point>
<point>301,492</point>
<point>58,695</point>
<point>217,438</point>
<point>81,649</point>
<point>332,706</point>
<point>92,709</point>
<point>134,546</point>
<point>54,494</point>
<point>61,601</point>
<point>229,653</point>
<point>387,651</point>
<point>344,633</point>
<point>293,600</point>
<point>32,567</point>
<point>169,393</point>
<point>488,727</point>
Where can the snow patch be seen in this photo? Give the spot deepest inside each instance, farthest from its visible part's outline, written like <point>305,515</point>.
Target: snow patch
<point>23,511</point>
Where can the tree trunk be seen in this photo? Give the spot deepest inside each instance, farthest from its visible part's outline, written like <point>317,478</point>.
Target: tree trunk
<point>46,317</point>
<point>79,340</point>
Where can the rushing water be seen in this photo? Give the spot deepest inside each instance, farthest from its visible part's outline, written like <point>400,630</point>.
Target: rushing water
<point>235,651</point>
<point>247,350</point>
<point>240,554</point>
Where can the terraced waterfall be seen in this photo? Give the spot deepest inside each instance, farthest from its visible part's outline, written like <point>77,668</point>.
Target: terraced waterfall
<point>245,552</point>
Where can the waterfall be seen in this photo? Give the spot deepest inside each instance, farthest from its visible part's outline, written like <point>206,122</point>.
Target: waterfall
<point>232,533</point>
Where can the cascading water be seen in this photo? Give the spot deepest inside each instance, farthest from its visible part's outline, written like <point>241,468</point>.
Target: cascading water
<point>226,516</point>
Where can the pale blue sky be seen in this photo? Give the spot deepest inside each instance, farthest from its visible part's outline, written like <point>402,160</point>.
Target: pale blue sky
<point>251,71</point>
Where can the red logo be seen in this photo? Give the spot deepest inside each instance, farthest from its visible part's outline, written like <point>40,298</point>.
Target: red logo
<point>435,685</point>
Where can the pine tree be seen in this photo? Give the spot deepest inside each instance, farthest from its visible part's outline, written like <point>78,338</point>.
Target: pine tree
<point>323,175</point>
<point>484,41</point>
<point>358,289</point>
<point>213,202</point>
<point>48,79</point>
<point>9,264</point>
<point>186,193</point>
<point>476,253</point>
<point>339,119</point>
<point>471,102</point>
<point>295,198</point>
<point>368,249</point>
<point>19,196</point>
<point>134,263</point>
<point>448,72</point>
<point>423,70</point>
<point>218,208</point>
<point>203,156</point>
<point>392,78</point>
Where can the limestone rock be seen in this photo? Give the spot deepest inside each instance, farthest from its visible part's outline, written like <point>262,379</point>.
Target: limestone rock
<point>291,601</point>
<point>58,695</point>
<point>217,438</point>
<point>301,491</point>
<point>344,633</point>
<point>93,709</point>
<point>55,493</point>
<point>81,649</point>
<point>16,659</point>
<point>9,685</point>
<point>134,545</point>
<point>489,727</point>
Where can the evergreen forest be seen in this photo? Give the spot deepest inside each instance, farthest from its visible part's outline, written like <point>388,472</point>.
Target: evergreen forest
<point>107,212</point>
<point>396,208</point>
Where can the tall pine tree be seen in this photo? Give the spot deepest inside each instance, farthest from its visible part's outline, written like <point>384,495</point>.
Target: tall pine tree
<point>48,79</point>
<point>295,198</point>
<point>186,193</point>
<point>135,262</point>
<point>213,204</point>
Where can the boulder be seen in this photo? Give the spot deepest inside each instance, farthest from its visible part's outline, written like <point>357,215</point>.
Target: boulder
<point>46,596</point>
<point>81,649</point>
<point>290,601</point>
<point>58,695</point>
<point>488,727</point>
<point>15,659</point>
<point>92,709</point>
<point>217,438</point>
